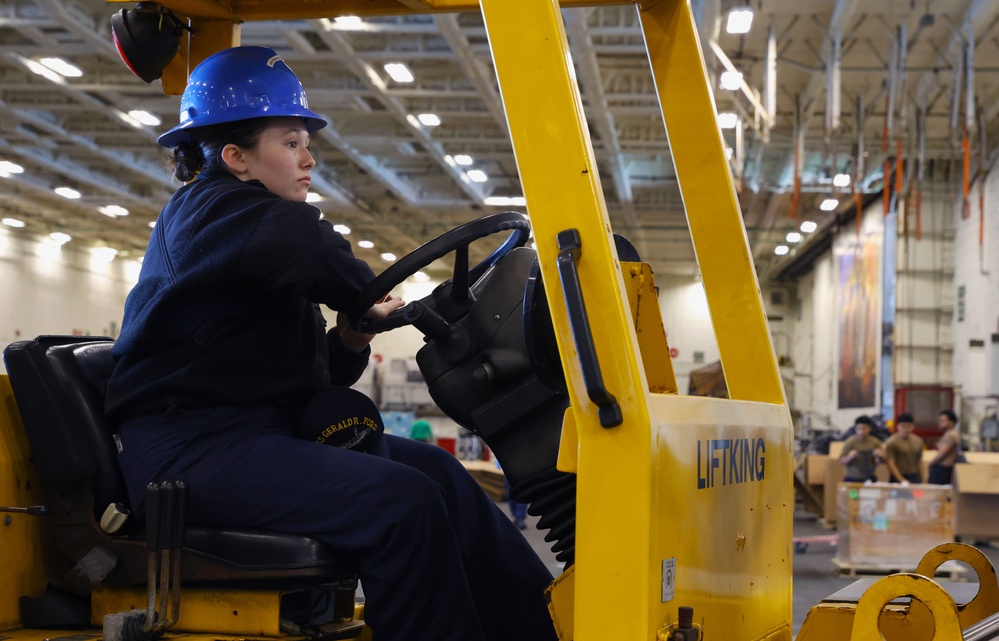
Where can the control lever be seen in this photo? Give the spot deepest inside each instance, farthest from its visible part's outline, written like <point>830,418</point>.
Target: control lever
<point>33,510</point>
<point>166,507</point>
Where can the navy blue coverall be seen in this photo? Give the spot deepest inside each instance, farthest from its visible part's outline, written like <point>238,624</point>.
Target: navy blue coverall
<point>222,345</point>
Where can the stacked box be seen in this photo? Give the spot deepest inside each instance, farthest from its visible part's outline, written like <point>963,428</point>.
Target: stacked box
<point>889,526</point>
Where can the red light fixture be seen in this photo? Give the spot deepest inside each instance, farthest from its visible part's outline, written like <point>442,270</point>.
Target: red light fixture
<point>147,38</point>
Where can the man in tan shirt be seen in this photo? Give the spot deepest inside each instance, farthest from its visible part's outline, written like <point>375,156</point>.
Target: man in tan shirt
<point>948,449</point>
<point>904,453</point>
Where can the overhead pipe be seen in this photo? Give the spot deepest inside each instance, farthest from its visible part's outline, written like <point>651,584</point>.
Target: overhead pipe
<point>901,48</point>
<point>799,143</point>
<point>770,79</point>
<point>859,164</point>
<point>921,167</point>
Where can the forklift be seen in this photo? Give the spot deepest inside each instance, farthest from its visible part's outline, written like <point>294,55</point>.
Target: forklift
<point>672,513</point>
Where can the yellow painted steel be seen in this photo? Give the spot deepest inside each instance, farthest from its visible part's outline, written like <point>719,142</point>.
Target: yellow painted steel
<point>210,35</point>
<point>644,304</point>
<point>639,503</point>
<point>235,612</point>
<point>946,625</point>
<point>716,226</point>
<point>986,601</point>
<point>561,596</point>
<point>24,539</point>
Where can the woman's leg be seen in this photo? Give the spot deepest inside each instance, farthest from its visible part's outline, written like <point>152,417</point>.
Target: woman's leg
<point>245,470</point>
<point>505,575</point>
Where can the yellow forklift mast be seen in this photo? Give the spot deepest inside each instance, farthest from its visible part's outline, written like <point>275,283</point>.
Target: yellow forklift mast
<point>684,504</point>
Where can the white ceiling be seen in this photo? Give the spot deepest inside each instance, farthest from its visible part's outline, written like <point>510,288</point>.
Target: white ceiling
<point>389,181</point>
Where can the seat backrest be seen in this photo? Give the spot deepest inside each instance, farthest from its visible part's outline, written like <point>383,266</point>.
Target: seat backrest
<point>59,383</point>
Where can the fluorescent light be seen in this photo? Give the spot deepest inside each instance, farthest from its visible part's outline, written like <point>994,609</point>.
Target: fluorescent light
<point>342,229</point>
<point>727,120</point>
<point>449,159</point>
<point>477,175</point>
<point>421,277</point>
<point>780,250</point>
<point>365,244</point>
<point>841,180</point>
<point>145,117</point>
<point>152,224</point>
<point>505,201</point>
<point>739,20</point>
<point>399,72</point>
<point>349,22</point>
<point>62,67</point>
<point>67,192</point>
<point>463,159</point>
<point>430,120</point>
<point>313,197</point>
<point>59,238</point>
<point>808,226</point>
<point>829,204</point>
<point>388,257</point>
<point>113,211</point>
<point>105,254</point>
<point>731,80</point>
<point>12,222</point>
<point>43,71</point>
<point>8,167</point>
<point>793,237</point>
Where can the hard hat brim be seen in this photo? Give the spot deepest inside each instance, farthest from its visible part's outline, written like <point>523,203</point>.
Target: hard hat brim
<point>186,131</point>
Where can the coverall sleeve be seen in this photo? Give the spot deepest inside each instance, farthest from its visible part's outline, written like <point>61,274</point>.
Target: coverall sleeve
<point>345,366</point>
<point>292,251</point>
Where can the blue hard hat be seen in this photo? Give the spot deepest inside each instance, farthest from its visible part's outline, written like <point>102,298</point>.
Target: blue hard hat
<point>238,84</point>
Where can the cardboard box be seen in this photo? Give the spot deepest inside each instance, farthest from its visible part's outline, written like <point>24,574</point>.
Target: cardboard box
<point>834,476</point>
<point>977,487</point>
<point>815,469</point>
<point>890,526</point>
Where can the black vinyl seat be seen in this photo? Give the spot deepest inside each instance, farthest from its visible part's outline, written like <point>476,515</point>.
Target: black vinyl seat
<point>59,384</point>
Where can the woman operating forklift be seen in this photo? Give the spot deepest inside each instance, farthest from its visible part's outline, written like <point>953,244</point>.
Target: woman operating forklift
<point>227,378</point>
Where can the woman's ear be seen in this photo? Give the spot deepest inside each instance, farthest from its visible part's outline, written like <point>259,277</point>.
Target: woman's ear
<point>234,159</point>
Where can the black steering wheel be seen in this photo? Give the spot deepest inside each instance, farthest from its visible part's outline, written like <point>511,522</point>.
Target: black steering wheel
<point>457,240</point>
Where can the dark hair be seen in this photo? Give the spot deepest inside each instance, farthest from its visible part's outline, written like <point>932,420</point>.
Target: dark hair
<point>864,420</point>
<point>189,158</point>
<point>905,418</point>
<point>951,416</point>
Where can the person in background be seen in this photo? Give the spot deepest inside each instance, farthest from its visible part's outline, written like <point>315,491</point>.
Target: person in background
<point>227,377</point>
<point>518,510</point>
<point>904,453</point>
<point>861,452</point>
<point>421,431</point>
<point>948,449</point>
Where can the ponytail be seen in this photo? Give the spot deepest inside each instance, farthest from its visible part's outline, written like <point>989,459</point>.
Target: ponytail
<point>187,159</point>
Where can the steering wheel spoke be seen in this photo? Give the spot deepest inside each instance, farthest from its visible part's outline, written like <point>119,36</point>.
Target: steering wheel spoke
<point>457,240</point>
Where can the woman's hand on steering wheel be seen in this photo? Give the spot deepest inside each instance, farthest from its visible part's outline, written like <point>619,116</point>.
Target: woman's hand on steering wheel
<point>356,341</point>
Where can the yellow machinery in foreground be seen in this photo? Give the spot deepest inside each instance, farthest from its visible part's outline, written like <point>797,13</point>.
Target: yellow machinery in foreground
<point>681,501</point>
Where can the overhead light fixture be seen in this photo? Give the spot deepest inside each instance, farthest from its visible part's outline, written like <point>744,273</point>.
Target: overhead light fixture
<point>421,277</point>
<point>808,226</point>
<point>731,80</point>
<point>341,229</point>
<point>8,168</point>
<point>39,69</point>
<point>477,175</point>
<point>780,250</point>
<point>105,254</point>
<point>504,201</point>
<point>829,204</point>
<point>144,117</point>
<point>62,67</point>
<point>739,20</point>
<point>727,120</point>
<point>67,192</point>
<point>841,180</point>
<point>113,211</point>
<point>399,72</point>
<point>429,120</point>
<point>313,197</point>
<point>12,222</point>
<point>348,22</point>
<point>59,238</point>
<point>388,257</point>
<point>463,159</point>
<point>365,244</point>
<point>793,237</point>
<point>147,38</point>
